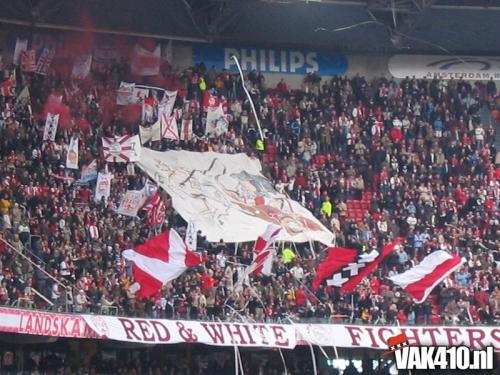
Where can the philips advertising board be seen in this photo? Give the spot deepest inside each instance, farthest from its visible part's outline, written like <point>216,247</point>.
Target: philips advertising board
<point>282,61</point>
<point>445,67</point>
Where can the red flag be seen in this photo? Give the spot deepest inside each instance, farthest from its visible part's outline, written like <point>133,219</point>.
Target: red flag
<point>159,260</point>
<point>8,88</point>
<point>345,268</point>
<point>263,251</point>
<point>155,209</point>
<point>210,101</point>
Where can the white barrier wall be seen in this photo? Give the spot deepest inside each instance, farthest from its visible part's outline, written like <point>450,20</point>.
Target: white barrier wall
<point>293,65</point>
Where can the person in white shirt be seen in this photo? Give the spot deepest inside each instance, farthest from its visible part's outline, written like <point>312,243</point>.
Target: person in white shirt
<point>297,272</point>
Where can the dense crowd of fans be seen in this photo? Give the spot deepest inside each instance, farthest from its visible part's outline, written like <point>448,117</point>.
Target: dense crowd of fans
<point>418,146</point>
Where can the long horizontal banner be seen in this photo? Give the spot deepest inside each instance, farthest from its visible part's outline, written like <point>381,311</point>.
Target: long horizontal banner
<point>148,331</point>
<point>325,63</point>
<point>375,337</point>
<point>445,67</point>
<point>163,331</point>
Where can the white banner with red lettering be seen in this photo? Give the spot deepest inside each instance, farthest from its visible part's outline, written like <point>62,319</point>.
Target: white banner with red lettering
<point>157,331</point>
<point>44,323</point>
<point>162,331</point>
<point>375,337</point>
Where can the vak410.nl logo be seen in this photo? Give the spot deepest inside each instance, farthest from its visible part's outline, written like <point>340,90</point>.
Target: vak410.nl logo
<point>410,357</point>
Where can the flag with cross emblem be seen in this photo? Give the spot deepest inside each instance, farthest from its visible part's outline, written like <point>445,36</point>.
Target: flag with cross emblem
<point>345,268</point>
<point>44,61</point>
<point>121,149</point>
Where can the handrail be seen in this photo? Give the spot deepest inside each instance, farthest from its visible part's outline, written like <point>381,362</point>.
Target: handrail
<point>33,263</point>
<point>42,296</point>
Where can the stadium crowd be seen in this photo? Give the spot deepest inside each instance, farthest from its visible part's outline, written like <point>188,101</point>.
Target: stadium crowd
<point>415,153</point>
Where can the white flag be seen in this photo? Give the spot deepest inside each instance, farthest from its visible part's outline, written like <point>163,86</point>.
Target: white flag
<point>216,121</point>
<point>81,68</point>
<point>191,237</point>
<point>21,46</point>
<point>144,62</point>
<point>139,94</point>
<point>150,133</point>
<point>24,96</point>
<point>125,93</point>
<point>167,103</point>
<point>89,172</point>
<point>148,110</point>
<point>131,202</point>
<point>49,133</point>
<point>169,127</point>
<point>103,186</point>
<point>121,149</point>
<point>43,64</point>
<point>72,154</point>
<point>187,130</point>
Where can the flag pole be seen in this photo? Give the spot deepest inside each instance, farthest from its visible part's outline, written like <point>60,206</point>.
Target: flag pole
<point>248,96</point>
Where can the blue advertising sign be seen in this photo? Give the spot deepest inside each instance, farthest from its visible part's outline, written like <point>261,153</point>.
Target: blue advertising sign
<point>325,63</point>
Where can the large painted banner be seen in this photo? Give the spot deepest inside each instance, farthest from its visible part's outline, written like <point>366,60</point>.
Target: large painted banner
<point>163,331</point>
<point>445,67</point>
<point>375,337</point>
<point>326,63</point>
<point>227,197</point>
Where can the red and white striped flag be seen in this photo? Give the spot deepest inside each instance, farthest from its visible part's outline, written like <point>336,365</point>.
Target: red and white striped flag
<point>263,251</point>
<point>420,280</point>
<point>159,260</point>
